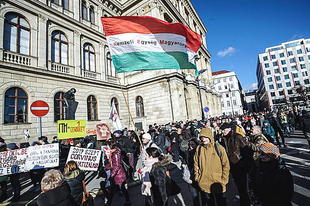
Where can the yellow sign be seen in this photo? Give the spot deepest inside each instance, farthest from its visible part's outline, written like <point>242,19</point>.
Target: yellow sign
<point>68,129</point>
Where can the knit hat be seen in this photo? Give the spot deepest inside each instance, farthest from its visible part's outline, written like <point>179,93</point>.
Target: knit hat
<point>206,132</point>
<point>225,126</point>
<point>12,146</point>
<point>69,141</point>
<point>146,136</point>
<point>117,131</point>
<point>270,149</point>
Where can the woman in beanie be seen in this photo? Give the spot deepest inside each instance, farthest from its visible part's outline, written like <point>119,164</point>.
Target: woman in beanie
<point>270,180</point>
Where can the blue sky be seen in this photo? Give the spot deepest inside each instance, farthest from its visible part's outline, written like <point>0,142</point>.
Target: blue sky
<point>238,30</point>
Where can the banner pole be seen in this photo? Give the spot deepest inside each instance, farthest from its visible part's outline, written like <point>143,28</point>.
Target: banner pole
<point>40,126</point>
<point>132,121</point>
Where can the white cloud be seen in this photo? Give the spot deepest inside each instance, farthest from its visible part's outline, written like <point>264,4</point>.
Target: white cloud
<point>250,87</point>
<point>227,52</point>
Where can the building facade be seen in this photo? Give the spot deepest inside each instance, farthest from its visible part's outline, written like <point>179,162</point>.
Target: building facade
<point>281,72</point>
<point>229,87</point>
<point>50,46</point>
<point>250,99</point>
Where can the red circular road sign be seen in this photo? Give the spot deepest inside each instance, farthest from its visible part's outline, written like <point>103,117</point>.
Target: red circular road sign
<point>39,108</point>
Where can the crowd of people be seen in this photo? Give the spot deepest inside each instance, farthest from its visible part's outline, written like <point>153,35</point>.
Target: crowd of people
<point>245,147</point>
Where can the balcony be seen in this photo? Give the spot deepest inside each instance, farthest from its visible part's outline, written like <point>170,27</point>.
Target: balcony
<point>61,68</point>
<point>16,58</point>
<point>90,75</point>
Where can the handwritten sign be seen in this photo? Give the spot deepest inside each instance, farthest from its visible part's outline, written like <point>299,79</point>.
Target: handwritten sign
<point>68,129</point>
<point>87,159</point>
<point>103,131</point>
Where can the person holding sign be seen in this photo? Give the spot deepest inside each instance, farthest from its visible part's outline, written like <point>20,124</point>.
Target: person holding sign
<point>14,177</point>
<point>74,177</point>
<point>118,175</point>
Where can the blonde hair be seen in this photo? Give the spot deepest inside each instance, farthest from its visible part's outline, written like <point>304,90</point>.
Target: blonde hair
<point>51,180</point>
<point>70,166</point>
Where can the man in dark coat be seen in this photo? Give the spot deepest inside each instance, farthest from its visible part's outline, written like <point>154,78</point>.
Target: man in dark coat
<point>305,124</point>
<point>275,123</point>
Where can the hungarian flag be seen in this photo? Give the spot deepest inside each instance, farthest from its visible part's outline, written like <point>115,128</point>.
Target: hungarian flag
<point>146,43</point>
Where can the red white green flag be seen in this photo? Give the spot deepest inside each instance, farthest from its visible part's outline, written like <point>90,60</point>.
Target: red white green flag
<point>146,43</point>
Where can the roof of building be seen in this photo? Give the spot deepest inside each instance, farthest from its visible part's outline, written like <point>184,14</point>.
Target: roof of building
<point>220,72</point>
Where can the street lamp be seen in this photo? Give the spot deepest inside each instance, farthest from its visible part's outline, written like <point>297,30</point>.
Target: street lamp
<point>197,79</point>
<point>230,94</point>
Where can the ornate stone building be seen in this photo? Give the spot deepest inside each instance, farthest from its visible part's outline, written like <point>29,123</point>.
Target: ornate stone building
<point>50,46</point>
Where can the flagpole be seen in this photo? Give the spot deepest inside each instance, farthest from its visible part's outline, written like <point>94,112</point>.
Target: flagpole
<point>133,123</point>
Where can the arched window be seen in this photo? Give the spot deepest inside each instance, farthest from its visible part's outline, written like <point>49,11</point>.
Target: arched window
<point>15,106</point>
<point>116,104</point>
<point>59,48</point>
<point>16,34</point>
<point>60,107</point>
<point>92,14</point>
<point>110,66</point>
<point>139,107</point>
<point>89,57</point>
<point>92,113</point>
<point>84,10</point>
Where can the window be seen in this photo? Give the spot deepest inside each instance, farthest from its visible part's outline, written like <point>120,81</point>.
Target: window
<point>308,57</point>
<point>65,4</point>
<point>89,58</point>
<point>292,60</point>
<point>290,91</point>
<point>286,76</point>
<point>283,62</point>
<point>269,79</point>
<point>297,83</point>
<point>265,58</point>
<point>268,72</point>
<point>284,69</point>
<point>59,48</point>
<point>281,93</point>
<point>139,107</point>
<point>278,78</point>
<point>305,74</point>
<point>276,71</point>
<point>16,34</point>
<point>84,10</point>
<point>55,1</point>
<point>288,84</point>
<point>281,55</point>
<point>271,86</point>
<point>222,104</point>
<point>279,86</point>
<point>299,51</point>
<point>230,78</point>
<point>234,102</point>
<point>60,107</point>
<point>266,65</point>
<point>227,95</point>
<point>224,79</point>
<point>111,69</point>
<point>233,94</point>
<point>225,86</point>
<point>116,104</point>
<point>228,103</point>
<point>308,49</point>
<point>92,14</point>
<point>295,75</point>
<point>290,53</point>
<point>293,68</point>
<point>92,113</point>
<point>274,64</point>
<point>306,81</point>
<point>273,56</point>
<point>231,86</point>
<point>303,66</point>
<point>273,94</point>
<point>15,105</point>
<point>301,59</point>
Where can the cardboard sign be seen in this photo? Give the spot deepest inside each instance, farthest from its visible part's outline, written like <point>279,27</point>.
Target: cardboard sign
<point>87,159</point>
<point>103,131</point>
<point>31,158</point>
<point>43,156</point>
<point>69,129</point>
<point>91,131</point>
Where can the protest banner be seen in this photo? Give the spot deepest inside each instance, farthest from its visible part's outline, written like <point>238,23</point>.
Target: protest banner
<point>92,131</point>
<point>103,131</point>
<point>69,129</point>
<point>43,156</point>
<point>31,158</point>
<point>87,159</point>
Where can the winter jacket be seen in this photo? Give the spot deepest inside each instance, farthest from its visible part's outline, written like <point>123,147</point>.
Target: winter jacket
<point>210,169</point>
<point>256,142</point>
<point>117,170</point>
<point>235,142</point>
<point>143,152</point>
<point>160,140</point>
<point>126,145</point>
<point>268,130</point>
<point>272,183</point>
<point>305,123</point>
<point>158,178</point>
<point>275,123</point>
<point>60,196</point>
<point>75,181</point>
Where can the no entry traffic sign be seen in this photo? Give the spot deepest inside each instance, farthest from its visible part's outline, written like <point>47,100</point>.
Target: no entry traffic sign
<point>39,108</point>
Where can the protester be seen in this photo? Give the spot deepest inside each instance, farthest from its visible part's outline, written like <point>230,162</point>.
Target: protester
<point>305,125</point>
<point>55,190</point>
<point>14,178</point>
<point>275,123</point>
<point>74,177</point>
<point>211,168</point>
<point>3,179</point>
<point>271,181</point>
<point>256,140</point>
<point>147,142</point>
<point>268,131</point>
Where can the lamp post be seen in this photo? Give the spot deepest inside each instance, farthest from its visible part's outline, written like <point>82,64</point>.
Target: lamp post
<point>201,107</point>
<point>232,105</point>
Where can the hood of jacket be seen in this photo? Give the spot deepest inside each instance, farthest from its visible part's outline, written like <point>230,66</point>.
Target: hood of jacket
<point>165,161</point>
<point>74,174</point>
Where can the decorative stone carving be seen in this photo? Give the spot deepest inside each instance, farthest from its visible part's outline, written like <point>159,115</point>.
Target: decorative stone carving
<point>42,18</point>
<point>76,33</point>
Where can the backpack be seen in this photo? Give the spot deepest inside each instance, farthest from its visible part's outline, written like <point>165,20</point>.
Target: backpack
<point>217,149</point>
<point>167,142</point>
